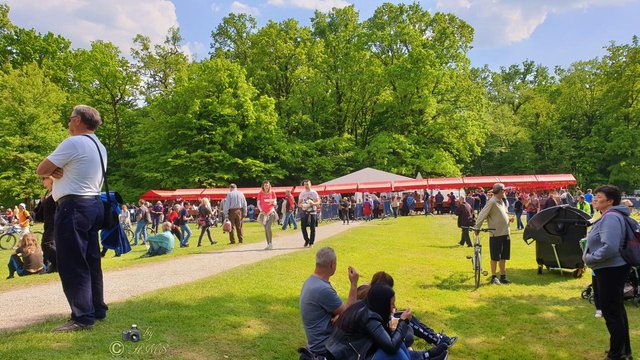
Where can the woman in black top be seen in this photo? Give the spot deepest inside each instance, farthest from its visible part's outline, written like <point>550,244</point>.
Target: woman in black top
<point>46,212</point>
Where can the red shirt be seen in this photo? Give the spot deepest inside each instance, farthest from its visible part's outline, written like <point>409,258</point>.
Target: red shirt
<point>172,216</point>
<point>266,207</point>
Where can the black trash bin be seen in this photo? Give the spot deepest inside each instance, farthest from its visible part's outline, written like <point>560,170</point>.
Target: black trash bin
<point>557,232</point>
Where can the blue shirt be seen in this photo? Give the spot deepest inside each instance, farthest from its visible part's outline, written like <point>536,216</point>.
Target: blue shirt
<point>588,197</point>
<point>235,200</point>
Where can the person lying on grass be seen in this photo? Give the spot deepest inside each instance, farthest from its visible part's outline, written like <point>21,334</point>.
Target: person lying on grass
<point>160,244</point>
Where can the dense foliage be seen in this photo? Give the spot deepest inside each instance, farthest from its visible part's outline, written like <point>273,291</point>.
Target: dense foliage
<point>286,102</point>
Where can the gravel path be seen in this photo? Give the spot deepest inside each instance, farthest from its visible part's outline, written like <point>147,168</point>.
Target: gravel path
<point>47,300</point>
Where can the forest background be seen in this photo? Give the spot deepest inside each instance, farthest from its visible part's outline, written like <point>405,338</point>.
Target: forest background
<point>286,102</point>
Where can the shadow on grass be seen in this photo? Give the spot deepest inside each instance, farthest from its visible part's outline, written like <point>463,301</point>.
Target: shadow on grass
<point>455,281</point>
<point>444,246</point>
<point>212,327</point>
<point>527,327</point>
<point>531,277</point>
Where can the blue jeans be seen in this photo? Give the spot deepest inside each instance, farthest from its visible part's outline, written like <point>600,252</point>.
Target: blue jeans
<point>530,215</point>
<point>140,228</point>
<point>289,218</point>
<point>401,354</point>
<point>519,223</point>
<point>76,235</point>
<point>186,234</point>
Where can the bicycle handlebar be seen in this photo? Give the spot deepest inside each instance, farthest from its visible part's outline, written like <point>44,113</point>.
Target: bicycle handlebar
<point>470,228</point>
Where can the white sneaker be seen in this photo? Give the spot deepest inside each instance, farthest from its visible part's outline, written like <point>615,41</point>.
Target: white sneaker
<point>598,313</point>
<point>269,247</point>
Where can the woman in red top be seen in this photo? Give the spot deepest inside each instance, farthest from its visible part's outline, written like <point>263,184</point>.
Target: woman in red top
<point>172,217</point>
<point>266,203</point>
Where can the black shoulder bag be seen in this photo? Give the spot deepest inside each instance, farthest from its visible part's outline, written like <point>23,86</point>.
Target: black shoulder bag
<point>110,216</point>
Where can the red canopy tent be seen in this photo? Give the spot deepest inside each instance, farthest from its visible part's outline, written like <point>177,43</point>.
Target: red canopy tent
<point>188,194</point>
<point>215,193</point>
<point>553,181</point>
<point>162,195</point>
<point>479,181</point>
<point>341,188</point>
<point>375,186</point>
<point>413,184</point>
<point>444,183</point>
<point>250,192</point>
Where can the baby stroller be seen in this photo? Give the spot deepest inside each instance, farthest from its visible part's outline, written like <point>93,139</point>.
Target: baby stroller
<point>630,288</point>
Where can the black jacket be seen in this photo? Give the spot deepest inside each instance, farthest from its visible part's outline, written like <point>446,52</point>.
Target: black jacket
<point>367,336</point>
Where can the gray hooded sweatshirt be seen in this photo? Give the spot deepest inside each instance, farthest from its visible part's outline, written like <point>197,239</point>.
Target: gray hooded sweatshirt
<point>605,238</point>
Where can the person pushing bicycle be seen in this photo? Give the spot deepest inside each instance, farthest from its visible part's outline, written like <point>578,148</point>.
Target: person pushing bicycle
<point>496,214</point>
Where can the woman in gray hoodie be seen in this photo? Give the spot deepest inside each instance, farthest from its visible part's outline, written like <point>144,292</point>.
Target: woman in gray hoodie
<point>603,256</point>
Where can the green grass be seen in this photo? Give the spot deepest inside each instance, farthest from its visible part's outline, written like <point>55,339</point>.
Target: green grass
<point>253,232</point>
<point>251,312</point>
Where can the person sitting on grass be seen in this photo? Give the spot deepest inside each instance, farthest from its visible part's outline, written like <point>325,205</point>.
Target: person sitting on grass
<point>365,331</point>
<point>416,328</point>
<point>320,305</point>
<point>162,243</point>
<point>27,259</point>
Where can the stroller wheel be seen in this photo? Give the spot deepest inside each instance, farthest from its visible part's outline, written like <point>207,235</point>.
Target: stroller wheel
<point>590,299</point>
<point>585,294</point>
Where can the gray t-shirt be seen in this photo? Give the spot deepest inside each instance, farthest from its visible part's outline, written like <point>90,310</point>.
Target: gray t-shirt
<point>318,301</point>
<point>307,195</point>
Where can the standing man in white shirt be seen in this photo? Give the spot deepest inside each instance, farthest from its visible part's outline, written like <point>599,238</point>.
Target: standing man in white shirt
<point>308,201</point>
<point>235,209</point>
<point>76,170</point>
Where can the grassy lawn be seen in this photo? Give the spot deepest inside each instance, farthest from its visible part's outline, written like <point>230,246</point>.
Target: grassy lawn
<point>251,312</point>
<point>253,232</point>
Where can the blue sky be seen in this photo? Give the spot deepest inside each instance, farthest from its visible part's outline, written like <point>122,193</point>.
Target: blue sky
<point>549,32</point>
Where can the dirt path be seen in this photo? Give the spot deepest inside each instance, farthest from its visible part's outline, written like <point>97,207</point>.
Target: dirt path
<point>47,300</point>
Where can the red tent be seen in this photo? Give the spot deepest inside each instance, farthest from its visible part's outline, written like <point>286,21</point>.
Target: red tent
<point>479,181</point>
<point>375,186</point>
<point>153,195</point>
<point>215,194</point>
<point>413,184</point>
<point>446,183</point>
<point>188,194</point>
<point>341,188</point>
<point>318,188</point>
<point>250,192</point>
<point>518,181</point>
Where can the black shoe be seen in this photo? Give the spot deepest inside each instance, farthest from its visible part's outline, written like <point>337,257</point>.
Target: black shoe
<point>214,242</point>
<point>504,280</point>
<point>437,352</point>
<point>72,325</point>
<point>9,277</point>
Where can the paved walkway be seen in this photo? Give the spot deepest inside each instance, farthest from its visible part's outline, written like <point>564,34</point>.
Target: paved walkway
<point>47,300</point>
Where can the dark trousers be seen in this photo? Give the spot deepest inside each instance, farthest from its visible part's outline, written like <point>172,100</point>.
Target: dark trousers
<point>465,239</point>
<point>155,221</point>
<point>610,295</point>
<point>176,231</point>
<point>78,255</point>
<point>519,223</point>
<point>344,214</point>
<point>205,228</point>
<point>308,220</point>
<point>235,216</point>
<point>49,252</point>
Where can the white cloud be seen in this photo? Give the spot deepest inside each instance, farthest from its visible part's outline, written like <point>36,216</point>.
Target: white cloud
<point>83,21</point>
<point>322,5</point>
<point>500,23</point>
<point>215,7</point>
<point>194,49</point>
<point>240,8</point>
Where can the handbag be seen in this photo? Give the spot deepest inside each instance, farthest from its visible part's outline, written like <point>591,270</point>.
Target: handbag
<point>110,218</point>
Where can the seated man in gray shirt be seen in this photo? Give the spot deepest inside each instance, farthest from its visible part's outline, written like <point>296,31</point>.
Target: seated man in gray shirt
<point>320,305</point>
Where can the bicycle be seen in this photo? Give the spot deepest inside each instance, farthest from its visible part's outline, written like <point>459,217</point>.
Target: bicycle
<point>11,234</point>
<point>476,258</point>
<point>148,228</point>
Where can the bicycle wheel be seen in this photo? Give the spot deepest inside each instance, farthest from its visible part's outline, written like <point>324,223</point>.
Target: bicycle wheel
<point>130,236</point>
<point>7,241</point>
<point>478,267</point>
<point>150,231</point>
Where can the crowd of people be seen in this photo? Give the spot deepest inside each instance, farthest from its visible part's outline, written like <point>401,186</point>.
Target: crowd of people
<point>367,325</point>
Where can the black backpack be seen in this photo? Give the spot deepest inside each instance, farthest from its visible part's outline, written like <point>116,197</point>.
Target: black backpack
<point>630,247</point>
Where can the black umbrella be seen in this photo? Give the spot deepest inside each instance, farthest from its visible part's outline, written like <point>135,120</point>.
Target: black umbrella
<point>556,225</point>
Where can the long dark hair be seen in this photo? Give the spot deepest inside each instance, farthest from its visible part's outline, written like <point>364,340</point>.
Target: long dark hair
<point>378,300</point>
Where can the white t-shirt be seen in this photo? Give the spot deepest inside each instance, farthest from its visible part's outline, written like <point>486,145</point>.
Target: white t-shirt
<point>79,159</point>
<point>306,196</point>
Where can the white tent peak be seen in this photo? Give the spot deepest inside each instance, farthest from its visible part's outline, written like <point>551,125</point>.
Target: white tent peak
<point>366,175</point>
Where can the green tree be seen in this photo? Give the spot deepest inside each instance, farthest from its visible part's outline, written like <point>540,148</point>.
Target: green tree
<point>30,129</point>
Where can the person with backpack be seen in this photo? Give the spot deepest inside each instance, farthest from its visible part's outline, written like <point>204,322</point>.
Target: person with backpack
<point>603,256</point>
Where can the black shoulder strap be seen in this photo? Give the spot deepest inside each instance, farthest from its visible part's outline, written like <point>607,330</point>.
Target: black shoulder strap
<point>104,172</point>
